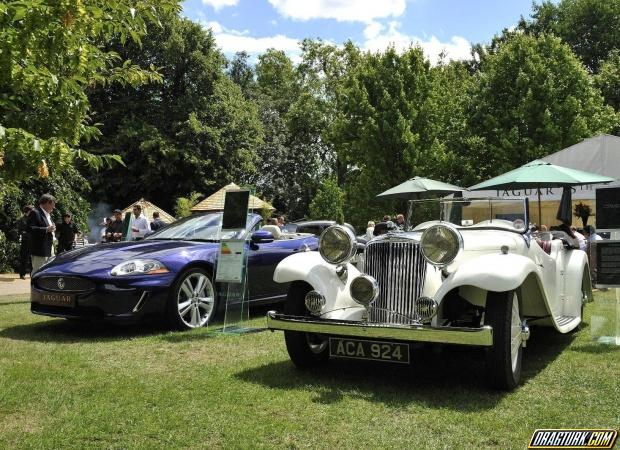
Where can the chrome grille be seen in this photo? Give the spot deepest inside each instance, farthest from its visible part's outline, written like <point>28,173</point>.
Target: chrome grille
<point>69,284</point>
<point>400,269</point>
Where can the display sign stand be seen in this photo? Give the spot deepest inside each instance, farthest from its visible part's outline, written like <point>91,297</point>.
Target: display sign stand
<point>232,262</point>
<point>605,326</point>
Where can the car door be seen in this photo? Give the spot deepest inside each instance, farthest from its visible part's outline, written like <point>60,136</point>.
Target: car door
<point>264,258</point>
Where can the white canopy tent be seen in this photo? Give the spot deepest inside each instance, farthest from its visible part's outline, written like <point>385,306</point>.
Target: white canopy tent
<point>599,154</point>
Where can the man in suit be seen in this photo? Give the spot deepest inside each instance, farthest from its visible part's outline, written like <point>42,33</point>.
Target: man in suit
<point>41,229</point>
<point>157,223</point>
<point>66,232</point>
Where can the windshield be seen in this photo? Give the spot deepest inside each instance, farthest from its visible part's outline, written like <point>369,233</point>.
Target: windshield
<point>502,213</point>
<point>198,228</point>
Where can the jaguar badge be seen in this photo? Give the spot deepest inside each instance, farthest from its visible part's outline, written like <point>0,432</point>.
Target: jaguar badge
<point>61,283</point>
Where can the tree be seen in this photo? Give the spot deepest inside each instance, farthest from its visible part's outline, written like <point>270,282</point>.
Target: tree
<point>328,203</point>
<point>50,54</point>
<point>242,74</point>
<point>531,98</point>
<point>589,27</point>
<point>381,134</point>
<point>183,205</point>
<point>608,80</point>
<point>195,127</point>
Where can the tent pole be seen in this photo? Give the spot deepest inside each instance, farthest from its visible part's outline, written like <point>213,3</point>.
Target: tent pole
<point>539,213</point>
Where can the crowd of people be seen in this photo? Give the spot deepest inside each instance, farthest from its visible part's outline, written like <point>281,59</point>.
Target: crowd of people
<point>384,226</point>
<point>37,232</point>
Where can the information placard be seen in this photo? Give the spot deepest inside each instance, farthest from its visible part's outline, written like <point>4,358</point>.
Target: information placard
<point>608,209</point>
<point>607,264</point>
<point>235,209</point>
<point>231,261</point>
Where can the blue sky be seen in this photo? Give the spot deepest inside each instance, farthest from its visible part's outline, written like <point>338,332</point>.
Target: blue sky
<point>437,25</point>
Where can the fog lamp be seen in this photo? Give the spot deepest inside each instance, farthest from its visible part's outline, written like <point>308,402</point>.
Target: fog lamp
<point>425,308</point>
<point>314,302</point>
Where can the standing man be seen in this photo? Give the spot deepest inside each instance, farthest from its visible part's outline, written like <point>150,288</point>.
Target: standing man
<point>400,222</point>
<point>140,225</point>
<point>24,242</point>
<point>590,234</point>
<point>41,230</point>
<point>157,223</point>
<point>66,232</point>
<point>114,231</point>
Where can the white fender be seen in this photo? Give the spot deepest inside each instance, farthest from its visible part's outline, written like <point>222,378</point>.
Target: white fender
<point>491,272</point>
<point>314,270</point>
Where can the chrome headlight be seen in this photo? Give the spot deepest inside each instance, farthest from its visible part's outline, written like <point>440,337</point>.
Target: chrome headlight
<point>337,244</point>
<point>364,290</point>
<point>139,267</point>
<point>441,244</point>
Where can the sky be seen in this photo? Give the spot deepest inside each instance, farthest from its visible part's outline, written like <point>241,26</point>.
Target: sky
<point>451,26</point>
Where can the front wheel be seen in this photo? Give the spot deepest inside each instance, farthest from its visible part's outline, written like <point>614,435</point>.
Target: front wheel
<point>192,301</point>
<point>505,356</point>
<point>305,349</point>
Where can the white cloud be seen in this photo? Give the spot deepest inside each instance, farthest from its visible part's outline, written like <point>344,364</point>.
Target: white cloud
<point>372,30</point>
<point>219,4</point>
<point>456,48</point>
<point>341,10</point>
<point>232,41</point>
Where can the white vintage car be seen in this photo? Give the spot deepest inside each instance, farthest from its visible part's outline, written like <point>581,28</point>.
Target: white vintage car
<point>477,277</point>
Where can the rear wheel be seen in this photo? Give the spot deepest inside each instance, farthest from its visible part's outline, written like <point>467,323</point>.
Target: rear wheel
<point>505,356</point>
<point>192,302</point>
<point>304,349</point>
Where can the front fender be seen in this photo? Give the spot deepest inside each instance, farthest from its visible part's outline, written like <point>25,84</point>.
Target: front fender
<point>494,272</point>
<point>311,268</point>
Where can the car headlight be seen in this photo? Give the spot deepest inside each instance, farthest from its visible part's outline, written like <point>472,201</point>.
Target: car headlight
<point>441,244</point>
<point>139,267</point>
<point>337,244</point>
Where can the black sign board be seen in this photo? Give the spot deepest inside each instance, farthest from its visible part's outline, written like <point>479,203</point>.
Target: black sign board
<point>607,264</point>
<point>608,209</point>
<point>235,210</point>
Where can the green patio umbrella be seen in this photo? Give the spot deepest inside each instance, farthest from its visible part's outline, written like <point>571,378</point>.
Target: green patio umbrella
<point>420,187</point>
<point>540,174</point>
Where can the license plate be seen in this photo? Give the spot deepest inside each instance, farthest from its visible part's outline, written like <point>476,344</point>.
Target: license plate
<point>373,350</point>
<point>53,299</point>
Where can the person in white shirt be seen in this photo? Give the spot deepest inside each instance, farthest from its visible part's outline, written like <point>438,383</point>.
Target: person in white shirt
<point>370,227</point>
<point>590,234</point>
<point>139,226</point>
<point>580,237</point>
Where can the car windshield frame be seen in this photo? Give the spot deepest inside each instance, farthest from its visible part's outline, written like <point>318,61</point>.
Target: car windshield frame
<point>491,222</point>
<point>201,228</point>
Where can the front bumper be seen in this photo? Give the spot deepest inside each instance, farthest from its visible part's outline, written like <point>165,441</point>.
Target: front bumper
<point>415,333</point>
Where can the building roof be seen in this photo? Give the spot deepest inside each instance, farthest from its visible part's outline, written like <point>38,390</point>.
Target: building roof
<point>148,209</point>
<point>215,202</point>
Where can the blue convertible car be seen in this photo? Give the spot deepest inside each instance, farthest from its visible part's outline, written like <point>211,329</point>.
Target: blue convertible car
<point>170,273</point>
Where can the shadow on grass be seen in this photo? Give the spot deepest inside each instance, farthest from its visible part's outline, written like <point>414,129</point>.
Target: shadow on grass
<point>452,377</point>
<point>74,331</point>
<point>597,348</point>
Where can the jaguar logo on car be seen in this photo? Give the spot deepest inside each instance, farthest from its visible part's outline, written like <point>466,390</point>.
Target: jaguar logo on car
<point>61,283</point>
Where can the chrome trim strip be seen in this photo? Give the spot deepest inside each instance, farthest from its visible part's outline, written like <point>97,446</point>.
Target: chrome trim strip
<point>417,333</point>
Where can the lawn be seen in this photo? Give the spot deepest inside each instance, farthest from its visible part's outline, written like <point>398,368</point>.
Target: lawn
<point>71,385</point>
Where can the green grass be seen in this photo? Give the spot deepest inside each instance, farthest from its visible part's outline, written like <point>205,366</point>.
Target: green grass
<point>70,385</point>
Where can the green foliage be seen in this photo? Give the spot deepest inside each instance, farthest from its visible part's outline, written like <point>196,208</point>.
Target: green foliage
<point>9,254</point>
<point>195,127</point>
<point>183,205</point>
<point>67,185</point>
<point>531,98</point>
<point>608,80</point>
<point>590,27</point>
<point>328,203</point>
<point>50,54</point>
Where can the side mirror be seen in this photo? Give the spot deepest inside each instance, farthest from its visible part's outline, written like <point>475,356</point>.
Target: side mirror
<point>261,237</point>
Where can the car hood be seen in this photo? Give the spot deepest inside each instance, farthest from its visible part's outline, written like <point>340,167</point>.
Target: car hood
<point>102,257</point>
